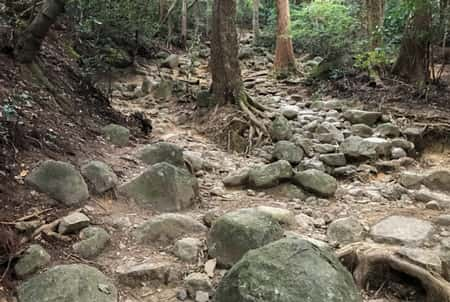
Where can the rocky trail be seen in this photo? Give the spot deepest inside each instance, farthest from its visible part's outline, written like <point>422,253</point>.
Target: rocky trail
<point>164,218</point>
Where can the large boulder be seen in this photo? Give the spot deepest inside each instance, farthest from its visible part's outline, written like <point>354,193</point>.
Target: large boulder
<point>68,283</point>
<point>285,150</point>
<point>61,181</point>
<point>166,228</point>
<point>266,176</point>
<point>317,182</point>
<point>163,187</point>
<point>235,233</point>
<point>116,134</point>
<point>362,117</point>
<point>288,270</point>
<point>281,129</point>
<point>162,152</point>
<point>99,176</point>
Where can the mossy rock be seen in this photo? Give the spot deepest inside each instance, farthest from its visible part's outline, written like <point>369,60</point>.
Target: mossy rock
<point>288,270</point>
<point>118,58</point>
<point>116,134</point>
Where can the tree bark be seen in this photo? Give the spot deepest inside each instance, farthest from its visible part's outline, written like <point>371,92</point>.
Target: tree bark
<point>413,62</point>
<point>255,21</point>
<point>30,40</point>
<point>226,72</point>
<point>375,18</point>
<point>183,22</point>
<point>284,54</point>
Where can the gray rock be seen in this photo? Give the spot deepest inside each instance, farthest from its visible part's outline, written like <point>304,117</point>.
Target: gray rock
<point>311,163</point>
<point>288,270</point>
<point>195,160</point>
<point>345,231</point>
<point>146,86</point>
<point>372,147</point>
<point>289,112</point>
<point>280,129</point>
<point>402,230</point>
<point>163,89</point>
<point>163,187</point>
<point>238,178</point>
<point>172,61</point>
<point>201,296</point>
<point>324,148</point>
<point>402,143</point>
<point>245,53</point>
<point>61,181</point>
<point>68,283</point>
<point>197,282</point>
<point>72,223</point>
<point>93,241</point>
<point>333,104</point>
<point>116,134</point>
<point>167,227</point>
<point>282,216</point>
<point>425,258</point>
<point>305,143</point>
<point>438,180</point>
<point>362,130</point>
<point>34,258</point>
<point>235,233</point>
<point>316,182</point>
<point>285,150</point>
<point>99,176</point>
<point>410,180</point>
<point>398,153</point>
<point>345,171</point>
<point>387,130</point>
<point>443,220</point>
<point>188,249</point>
<point>288,190</point>
<point>270,175</point>
<point>162,152</point>
<point>333,159</point>
<point>328,133</point>
<point>362,117</point>
<point>135,274</point>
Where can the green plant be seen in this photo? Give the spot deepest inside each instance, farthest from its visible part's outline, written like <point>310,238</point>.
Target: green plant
<point>374,62</point>
<point>325,28</point>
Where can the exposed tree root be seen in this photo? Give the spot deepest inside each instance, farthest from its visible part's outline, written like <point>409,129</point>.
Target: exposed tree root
<point>371,261</point>
<point>258,119</point>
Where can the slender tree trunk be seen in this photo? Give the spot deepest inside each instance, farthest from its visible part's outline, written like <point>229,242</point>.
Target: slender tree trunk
<point>30,40</point>
<point>226,73</point>
<point>255,21</point>
<point>284,54</point>
<point>183,22</point>
<point>413,61</point>
<point>375,18</point>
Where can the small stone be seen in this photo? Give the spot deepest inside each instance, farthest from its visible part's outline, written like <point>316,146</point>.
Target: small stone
<point>362,130</point>
<point>133,275</point>
<point>201,296</point>
<point>162,152</point>
<point>266,176</point>
<point>345,231</point>
<point>443,220</point>
<point>73,223</point>
<point>182,294</point>
<point>334,159</point>
<point>362,117</point>
<point>325,148</point>
<point>94,241</point>
<point>410,180</point>
<point>210,267</point>
<point>433,205</point>
<point>172,61</point>
<point>100,176</point>
<point>317,182</point>
<point>387,130</point>
<point>188,249</point>
<point>34,258</point>
<point>116,134</point>
<point>197,282</point>
<point>285,150</point>
<point>290,112</point>
<point>280,129</point>
<point>238,178</point>
<point>397,153</point>
<point>282,216</point>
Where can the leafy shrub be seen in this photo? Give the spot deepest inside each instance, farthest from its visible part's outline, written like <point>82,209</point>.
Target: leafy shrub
<point>325,28</point>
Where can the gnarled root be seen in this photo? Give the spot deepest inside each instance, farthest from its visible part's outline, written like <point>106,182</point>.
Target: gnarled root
<point>369,261</point>
<point>258,119</point>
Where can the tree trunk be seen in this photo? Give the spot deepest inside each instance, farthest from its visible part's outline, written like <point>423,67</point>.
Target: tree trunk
<point>226,73</point>
<point>284,54</point>
<point>375,18</point>
<point>183,22</point>
<point>255,21</point>
<point>30,40</point>
<point>413,61</point>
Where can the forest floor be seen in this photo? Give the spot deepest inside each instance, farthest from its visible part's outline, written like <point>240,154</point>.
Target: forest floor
<point>367,195</point>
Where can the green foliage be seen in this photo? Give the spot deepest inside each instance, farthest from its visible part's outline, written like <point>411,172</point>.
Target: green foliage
<point>374,62</point>
<point>325,28</point>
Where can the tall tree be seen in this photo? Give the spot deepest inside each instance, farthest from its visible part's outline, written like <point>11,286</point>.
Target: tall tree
<point>413,60</point>
<point>224,65</point>
<point>184,12</point>
<point>255,22</point>
<point>30,40</point>
<point>284,53</point>
<point>375,18</point>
